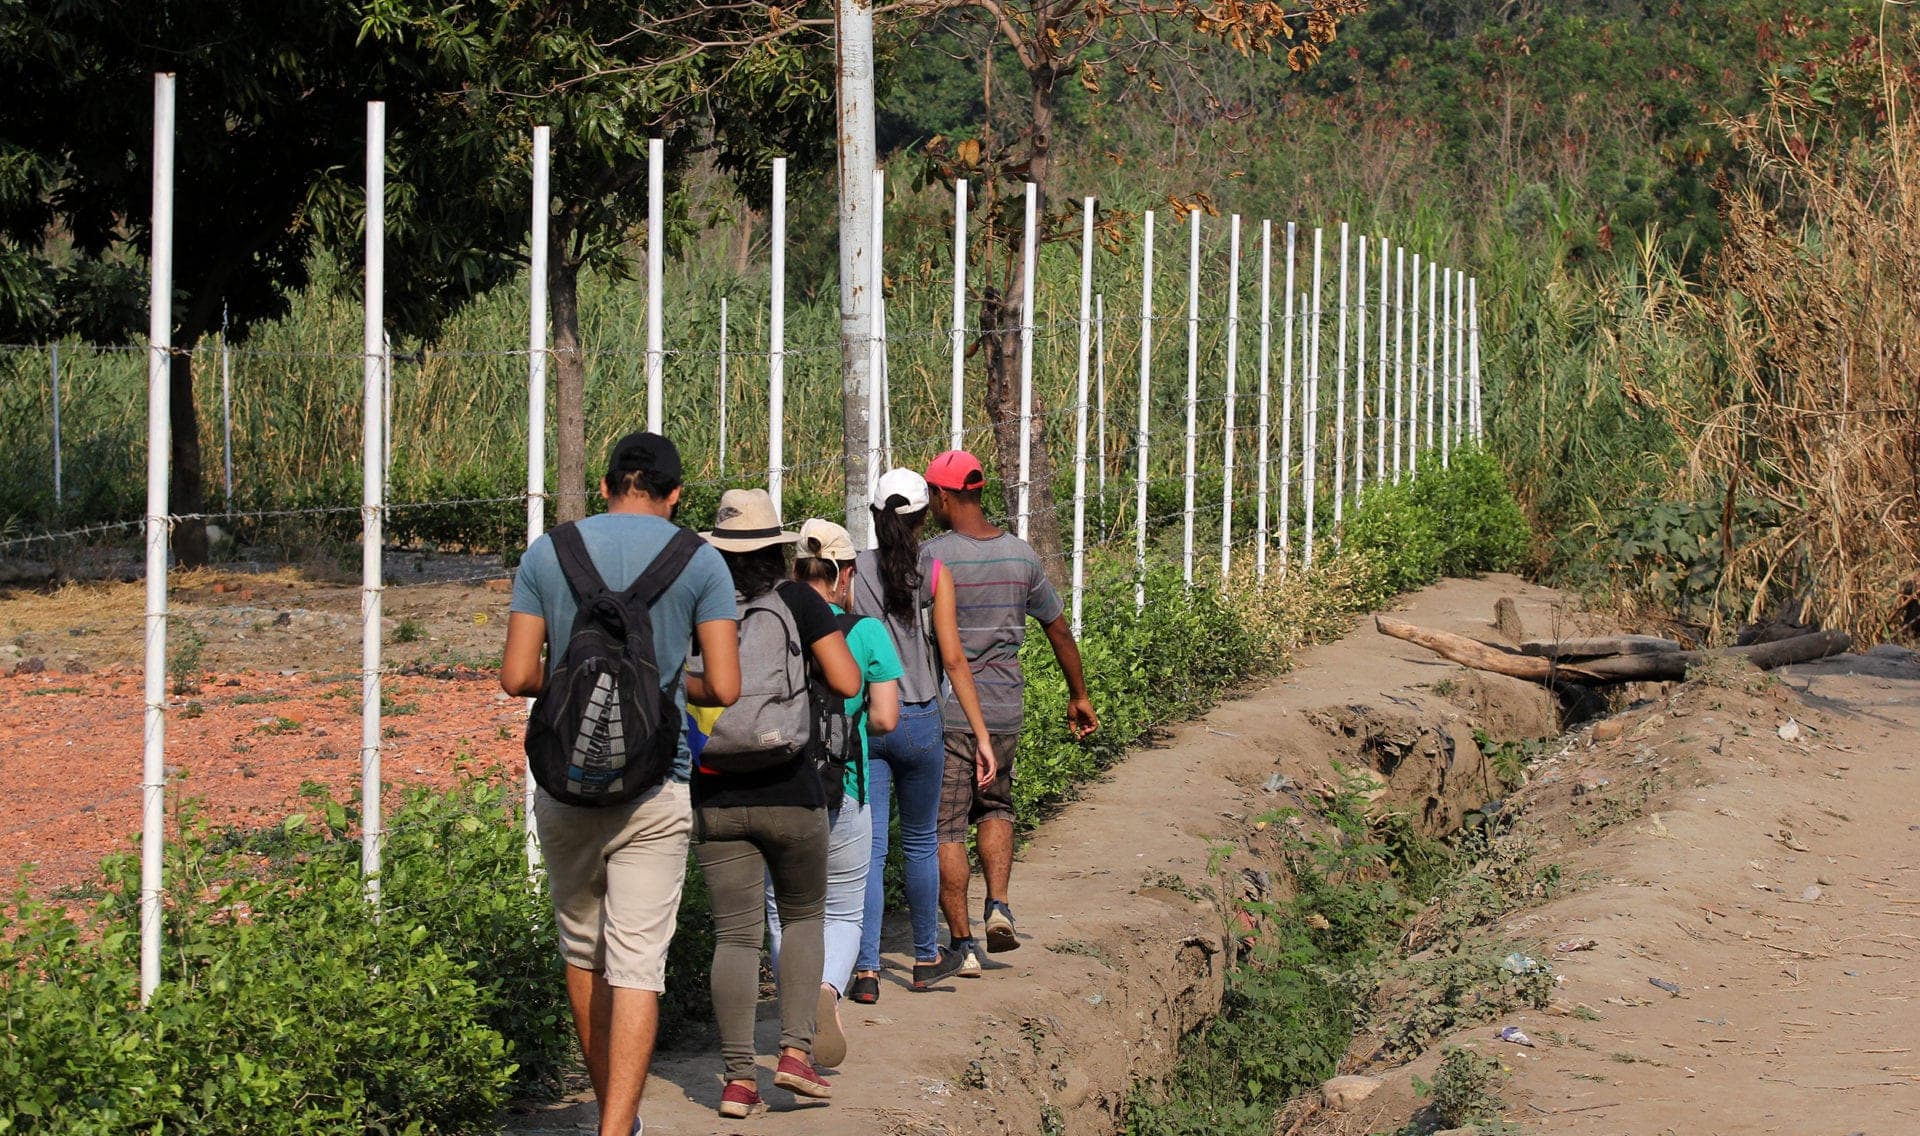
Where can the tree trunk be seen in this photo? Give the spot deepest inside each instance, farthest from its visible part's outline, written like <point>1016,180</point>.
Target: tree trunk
<point>185,491</point>
<point>570,387</point>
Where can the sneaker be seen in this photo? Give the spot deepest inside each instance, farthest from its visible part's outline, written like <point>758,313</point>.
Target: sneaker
<point>864,989</point>
<point>737,1100</point>
<point>829,1040</point>
<point>969,952</point>
<point>797,1076</point>
<point>999,919</point>
<point>950,963</point>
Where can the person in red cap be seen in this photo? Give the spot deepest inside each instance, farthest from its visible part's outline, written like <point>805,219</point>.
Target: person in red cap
<point>1000,584</point>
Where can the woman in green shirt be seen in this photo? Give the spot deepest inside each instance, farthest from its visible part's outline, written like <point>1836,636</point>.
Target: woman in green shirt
<point>825,563</point>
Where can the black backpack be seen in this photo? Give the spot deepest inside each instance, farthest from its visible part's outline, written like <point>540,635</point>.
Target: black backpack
<point>835,747</point>
<point>602,731</point>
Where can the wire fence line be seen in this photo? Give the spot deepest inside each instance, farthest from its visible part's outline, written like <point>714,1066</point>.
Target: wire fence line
<point>1315,328</point>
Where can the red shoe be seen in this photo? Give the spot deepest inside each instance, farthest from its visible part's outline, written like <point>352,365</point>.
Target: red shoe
<point>797,1076</point>
<point>737,1100</point>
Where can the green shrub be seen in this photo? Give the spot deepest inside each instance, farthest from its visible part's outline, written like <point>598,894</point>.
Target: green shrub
<point>285,1006</point>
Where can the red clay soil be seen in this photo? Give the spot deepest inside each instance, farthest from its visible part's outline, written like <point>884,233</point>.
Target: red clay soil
<point>241,747</point>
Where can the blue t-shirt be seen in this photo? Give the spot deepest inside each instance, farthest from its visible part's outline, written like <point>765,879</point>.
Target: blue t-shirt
<point>621,546</point>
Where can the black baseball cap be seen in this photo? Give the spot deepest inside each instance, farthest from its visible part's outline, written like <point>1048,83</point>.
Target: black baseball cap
<point>652,455</point>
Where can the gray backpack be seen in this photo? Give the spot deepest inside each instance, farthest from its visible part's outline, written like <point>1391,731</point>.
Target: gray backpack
<point>772,722</point>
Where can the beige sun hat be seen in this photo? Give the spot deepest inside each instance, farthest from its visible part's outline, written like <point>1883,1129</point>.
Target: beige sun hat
<point>826,540</point>
<point>746,521</point>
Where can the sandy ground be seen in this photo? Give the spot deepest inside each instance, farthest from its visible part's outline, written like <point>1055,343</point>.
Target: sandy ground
<point>1762,860</point>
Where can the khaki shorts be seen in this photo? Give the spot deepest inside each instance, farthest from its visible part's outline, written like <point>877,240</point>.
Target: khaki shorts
<point>616,875</point>
<point>963,802</point>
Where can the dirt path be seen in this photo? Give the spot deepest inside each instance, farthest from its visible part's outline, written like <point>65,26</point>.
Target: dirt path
<point>1122,951</point>
<point>1751,843</point>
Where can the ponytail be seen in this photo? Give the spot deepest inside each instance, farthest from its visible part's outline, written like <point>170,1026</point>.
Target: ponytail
<point>900,578</point>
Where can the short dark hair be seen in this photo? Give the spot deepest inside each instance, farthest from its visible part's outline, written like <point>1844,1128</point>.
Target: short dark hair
<point>966,496</point>
<point>645,463</point>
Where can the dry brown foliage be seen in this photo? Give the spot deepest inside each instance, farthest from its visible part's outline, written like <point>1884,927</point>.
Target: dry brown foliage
<point>1816,411</point>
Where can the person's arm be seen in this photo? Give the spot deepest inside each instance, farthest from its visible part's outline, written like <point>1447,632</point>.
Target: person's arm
<point>837,668</point>
<point>953,658</point>
<point>883,706</point>
<point>1081,720</point>
<point>718,682</point>
<point>523,669</point>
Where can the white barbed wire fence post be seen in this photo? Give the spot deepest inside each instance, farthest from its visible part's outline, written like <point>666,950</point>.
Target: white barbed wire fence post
<point>1080,416</point>
<point>1141,434</point>
<point>1380,377</point>
<point>1100,382</point>
<point>1311,408</point>
<point>539,227</point>
<point>656,262</point>
<point>1340,393</point>
<point>371,502</point>
<point>1193,390</point>
<point>53,363</point>
<point>153,776</point>
<point>1459,357</point>
<point>722,456</point>
<point>1446,367</point>
<point>386,413</point>
<point>1399,360</point>
<point>1473,339</point>
<point>1028,252</point>
<point>1360,376</point>
<point>1266,375</point>
<point>876,281</point>
<point>1433,286</point>
<point>959,401</point>
<point>1286,406</point>
<point>1414,371</point>
<point>1233,382</point>
<point>226,409</point>
<point>777,341</point>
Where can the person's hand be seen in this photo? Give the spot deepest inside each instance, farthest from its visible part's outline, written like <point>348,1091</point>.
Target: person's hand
<point>1081,720</point>
<point>985,766</point>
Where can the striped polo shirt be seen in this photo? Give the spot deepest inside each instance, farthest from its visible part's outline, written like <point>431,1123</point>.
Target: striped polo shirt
<point>998,584</point>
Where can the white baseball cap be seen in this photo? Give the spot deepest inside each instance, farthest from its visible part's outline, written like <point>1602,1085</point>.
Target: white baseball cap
<point>901,491</point>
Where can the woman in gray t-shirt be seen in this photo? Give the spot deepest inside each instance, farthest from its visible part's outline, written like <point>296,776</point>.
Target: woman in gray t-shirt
<point>913,596</point>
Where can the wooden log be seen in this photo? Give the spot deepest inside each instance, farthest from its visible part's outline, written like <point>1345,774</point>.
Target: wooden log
<point>1672,666</point>
<point>1598,648</point>
<point>1473,653</point>
<point>1663,666</point>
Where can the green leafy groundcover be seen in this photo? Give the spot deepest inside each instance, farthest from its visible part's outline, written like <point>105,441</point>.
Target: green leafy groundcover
<point>287,1008</point>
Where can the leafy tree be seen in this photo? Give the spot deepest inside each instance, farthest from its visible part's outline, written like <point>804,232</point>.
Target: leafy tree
<point>270,98</point>
<point>1055,43</point>
<point>606,79</point>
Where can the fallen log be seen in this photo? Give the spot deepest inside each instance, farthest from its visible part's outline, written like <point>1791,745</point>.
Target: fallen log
<point>1598,648</point>
<point>1661,666</point>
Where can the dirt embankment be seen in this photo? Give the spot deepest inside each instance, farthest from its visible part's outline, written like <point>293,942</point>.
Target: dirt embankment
<point>1124,943</point>
<point>1734,943</point>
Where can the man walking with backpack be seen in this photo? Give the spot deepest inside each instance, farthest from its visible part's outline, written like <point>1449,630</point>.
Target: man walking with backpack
<point>999,583</point>
<point>614,601</point>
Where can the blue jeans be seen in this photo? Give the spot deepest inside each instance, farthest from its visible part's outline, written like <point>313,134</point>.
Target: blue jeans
<point>908,760</point>
<point>847,860</point>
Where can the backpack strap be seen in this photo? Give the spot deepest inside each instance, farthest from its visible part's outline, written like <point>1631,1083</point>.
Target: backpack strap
<point>667,565</point>
<point>575,564</point>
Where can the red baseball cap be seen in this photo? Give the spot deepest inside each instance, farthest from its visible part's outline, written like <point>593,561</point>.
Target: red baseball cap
<point>956,469</point>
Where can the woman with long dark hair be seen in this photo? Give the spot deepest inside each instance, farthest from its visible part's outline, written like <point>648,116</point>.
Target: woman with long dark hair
<point>759,804</point>
<point>913,596</point>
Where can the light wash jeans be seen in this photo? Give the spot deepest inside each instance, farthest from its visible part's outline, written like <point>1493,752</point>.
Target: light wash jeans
<point>848,852</point>
<point>907,760</point>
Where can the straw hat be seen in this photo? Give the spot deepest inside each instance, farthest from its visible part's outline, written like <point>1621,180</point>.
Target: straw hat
<point>746,521</point>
